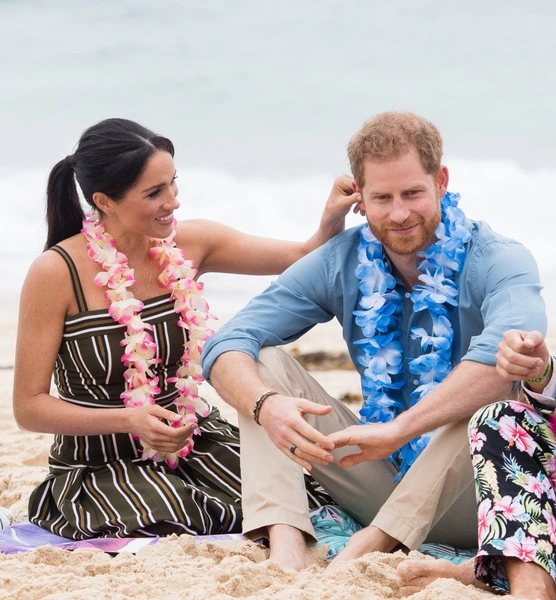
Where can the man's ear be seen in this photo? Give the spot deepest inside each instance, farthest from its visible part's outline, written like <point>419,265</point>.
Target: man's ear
<point>360,206</point>
<point>442,180</point>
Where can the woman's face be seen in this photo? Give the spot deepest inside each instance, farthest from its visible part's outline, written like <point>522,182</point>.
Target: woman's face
<point>148,206</point>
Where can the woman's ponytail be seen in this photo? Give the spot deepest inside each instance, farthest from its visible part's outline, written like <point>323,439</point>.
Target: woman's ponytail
<point>64,214</point>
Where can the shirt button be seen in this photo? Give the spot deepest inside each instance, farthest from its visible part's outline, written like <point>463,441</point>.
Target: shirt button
<point>415,381</point>
<point>407,294</point>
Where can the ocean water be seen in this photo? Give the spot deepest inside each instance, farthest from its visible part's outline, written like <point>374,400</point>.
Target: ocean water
<point>260,99</point>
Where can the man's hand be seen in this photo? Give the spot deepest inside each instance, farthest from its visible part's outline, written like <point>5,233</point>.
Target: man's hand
<point>376,441</point>
<point>282,418</point>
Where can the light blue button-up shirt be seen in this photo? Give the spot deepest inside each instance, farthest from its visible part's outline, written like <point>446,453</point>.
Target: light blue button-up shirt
<point>499,289</point>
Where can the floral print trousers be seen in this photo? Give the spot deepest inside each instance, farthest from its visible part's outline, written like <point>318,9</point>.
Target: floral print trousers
<point>513,450</point>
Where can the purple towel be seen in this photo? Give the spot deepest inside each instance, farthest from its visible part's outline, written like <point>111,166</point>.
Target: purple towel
<point>26,536</point>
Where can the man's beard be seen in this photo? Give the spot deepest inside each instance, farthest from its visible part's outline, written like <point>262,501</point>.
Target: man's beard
<point>411,243</point>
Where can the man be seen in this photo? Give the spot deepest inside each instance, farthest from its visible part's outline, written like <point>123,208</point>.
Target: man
<point>408,319</point>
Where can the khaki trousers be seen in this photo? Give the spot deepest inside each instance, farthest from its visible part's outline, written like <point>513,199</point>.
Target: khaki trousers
<point>434,502</point>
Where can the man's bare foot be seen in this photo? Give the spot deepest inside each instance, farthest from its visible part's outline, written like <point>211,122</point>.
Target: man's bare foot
<point>370,539</point>
<point>416,575</point>
<point>288,547</point>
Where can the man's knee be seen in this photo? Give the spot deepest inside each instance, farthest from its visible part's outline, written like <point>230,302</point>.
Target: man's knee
<point>272,361</point>
<point>270,354</point>
<point>280,371</point>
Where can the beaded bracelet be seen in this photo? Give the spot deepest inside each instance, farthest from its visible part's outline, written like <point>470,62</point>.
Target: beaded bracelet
<point>259,404</point>
<point>544,374</point>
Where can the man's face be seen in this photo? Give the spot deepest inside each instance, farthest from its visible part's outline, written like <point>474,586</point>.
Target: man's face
<point>401,202</point>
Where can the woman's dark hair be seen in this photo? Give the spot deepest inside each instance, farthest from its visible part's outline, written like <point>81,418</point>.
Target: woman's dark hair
<point>109,158</point>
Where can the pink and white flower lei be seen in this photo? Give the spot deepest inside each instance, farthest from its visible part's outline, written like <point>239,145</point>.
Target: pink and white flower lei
<point>140,349</point>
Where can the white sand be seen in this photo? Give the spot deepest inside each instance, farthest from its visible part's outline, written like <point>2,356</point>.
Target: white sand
<point>175,567</point>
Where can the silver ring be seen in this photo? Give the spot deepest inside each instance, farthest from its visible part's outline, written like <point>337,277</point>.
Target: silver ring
<point>293,448</point>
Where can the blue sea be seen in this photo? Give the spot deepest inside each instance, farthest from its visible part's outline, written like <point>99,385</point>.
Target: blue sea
<point>261,98</point>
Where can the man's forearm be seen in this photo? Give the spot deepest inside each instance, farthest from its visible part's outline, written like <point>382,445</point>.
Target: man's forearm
<point>468,388</point>
<point>235,377</point>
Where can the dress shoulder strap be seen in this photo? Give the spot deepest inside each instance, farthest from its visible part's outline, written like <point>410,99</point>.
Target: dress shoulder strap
<point>75,281</point>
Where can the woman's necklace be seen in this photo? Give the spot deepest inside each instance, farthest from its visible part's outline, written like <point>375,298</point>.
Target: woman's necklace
<point>146,294</point>
<point>140,349</point>
<point>379,305</point>
<point>143,292</point>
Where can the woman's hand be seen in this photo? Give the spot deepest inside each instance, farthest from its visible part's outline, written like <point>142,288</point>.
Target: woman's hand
<point>523,355</point>
<point>341,199</point>
<point>149,424</point>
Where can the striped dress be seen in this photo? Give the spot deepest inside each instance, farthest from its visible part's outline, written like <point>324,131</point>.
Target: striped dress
<point>98,486</point>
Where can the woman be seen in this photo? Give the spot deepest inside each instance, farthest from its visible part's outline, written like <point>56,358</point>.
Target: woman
<point>115,310</point>
<point>513,449</point>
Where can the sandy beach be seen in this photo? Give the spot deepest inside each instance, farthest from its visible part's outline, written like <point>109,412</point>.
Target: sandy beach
<point>177,567</point>
<point>260,100</point>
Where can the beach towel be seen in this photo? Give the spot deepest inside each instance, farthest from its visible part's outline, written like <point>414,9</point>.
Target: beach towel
<point>333,527</point>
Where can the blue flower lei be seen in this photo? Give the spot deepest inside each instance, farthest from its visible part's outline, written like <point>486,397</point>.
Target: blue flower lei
<point>380,303</point>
